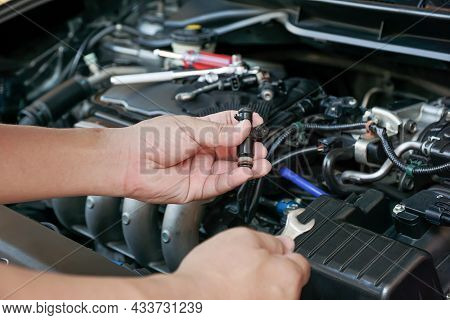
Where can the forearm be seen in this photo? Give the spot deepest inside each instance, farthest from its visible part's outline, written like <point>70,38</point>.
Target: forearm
<point>18,283</point>
<point>39,163</point>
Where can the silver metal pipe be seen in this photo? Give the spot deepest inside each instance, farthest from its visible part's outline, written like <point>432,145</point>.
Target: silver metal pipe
<point>180,231</point>
<point>360,177</point>
<point>141,230</point>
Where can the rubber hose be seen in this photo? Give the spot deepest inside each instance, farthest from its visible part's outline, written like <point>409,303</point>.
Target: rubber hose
<point>51,106</point>
<point>329,175</point>
<point>333,127</point>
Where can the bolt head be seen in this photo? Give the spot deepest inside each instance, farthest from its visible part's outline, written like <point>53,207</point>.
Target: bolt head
<point>411,126</point>
<point>126,218</point>
<point>399,208</point>
<point>267,95</point>
<point>165,236</point>
<point>90,202</point>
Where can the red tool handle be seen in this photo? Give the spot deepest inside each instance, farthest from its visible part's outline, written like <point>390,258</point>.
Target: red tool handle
<point>206,60</point>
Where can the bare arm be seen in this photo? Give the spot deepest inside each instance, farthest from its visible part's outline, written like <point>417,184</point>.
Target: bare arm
<point>263,267</point>
<point>39,163</point>
<point>19,283</point>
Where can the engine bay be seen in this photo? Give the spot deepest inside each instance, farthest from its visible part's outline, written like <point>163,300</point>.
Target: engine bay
<point>358,136</point>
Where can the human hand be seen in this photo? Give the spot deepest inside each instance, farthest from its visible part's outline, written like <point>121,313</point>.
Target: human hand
<point>178,159</point>
<point>235,264</point>
<point>244,264</point>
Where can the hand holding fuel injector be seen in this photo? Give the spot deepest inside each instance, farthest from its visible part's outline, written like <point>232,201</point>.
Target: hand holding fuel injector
<point>170,159</point>
<point>189,158</point>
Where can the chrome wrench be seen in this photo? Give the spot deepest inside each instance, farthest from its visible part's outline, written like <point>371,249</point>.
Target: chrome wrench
<point>293,227</point>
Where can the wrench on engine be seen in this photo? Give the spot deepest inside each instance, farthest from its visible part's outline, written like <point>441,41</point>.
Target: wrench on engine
<point>293,227</point>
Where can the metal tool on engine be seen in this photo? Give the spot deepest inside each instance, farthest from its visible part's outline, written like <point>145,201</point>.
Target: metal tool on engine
<point>239,80</point>
<point>235,83</point>
<point>173,75</point>
<point>245,150</point>
<point>293,227</point>
<point>197,60</point>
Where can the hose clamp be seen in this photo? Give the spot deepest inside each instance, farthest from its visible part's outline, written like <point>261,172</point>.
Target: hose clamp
<point>426,145</point>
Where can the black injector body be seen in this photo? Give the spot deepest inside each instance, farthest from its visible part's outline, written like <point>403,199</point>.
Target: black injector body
<point>245,151</point>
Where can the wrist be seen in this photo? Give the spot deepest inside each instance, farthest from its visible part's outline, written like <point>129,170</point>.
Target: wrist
<point>139,160</point>
<point>162,286</point>
<point>109,159</point>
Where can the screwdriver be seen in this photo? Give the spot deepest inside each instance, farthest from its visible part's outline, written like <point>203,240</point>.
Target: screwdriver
<point>197,60</point>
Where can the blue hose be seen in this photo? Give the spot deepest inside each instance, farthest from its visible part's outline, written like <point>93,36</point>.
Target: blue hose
<point>301,183</point>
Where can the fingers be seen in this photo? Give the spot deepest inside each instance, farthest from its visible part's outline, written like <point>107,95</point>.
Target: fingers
<point>302,265</point>
<point>217,184</point>
<point>288,243</point>
<point>261,167</point>
<point>280,246</point>
<point>214,134</point>
<point>227,117</point>
<point>260,151</point>
<point>224,153</point>
<point>274,245</point>
<point>220,183</point>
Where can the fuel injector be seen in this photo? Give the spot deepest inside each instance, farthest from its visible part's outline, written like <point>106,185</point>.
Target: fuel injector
<point>245,150</point>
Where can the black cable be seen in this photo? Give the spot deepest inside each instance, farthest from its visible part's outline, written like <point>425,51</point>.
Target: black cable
<point>333,127</point>
<point>110,29</point>
<point>283,136</point>
<point>410,170</point>
<point>257,192</point>
<point>93,38</point>
<point>76,59</point>
<point>445,220</point>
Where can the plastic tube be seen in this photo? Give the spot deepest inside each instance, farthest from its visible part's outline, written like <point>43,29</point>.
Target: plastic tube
<point>301,183</point>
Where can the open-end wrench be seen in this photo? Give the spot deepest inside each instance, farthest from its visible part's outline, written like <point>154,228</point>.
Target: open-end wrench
<point>293,227</point>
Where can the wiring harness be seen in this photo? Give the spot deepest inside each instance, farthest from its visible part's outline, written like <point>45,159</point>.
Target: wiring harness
<point>409,169</point>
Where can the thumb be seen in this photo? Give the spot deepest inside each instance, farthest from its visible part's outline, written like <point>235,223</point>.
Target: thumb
<point>213,134</point>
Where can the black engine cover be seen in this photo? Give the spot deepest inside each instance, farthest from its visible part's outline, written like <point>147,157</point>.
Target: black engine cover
<point>350,262</point>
